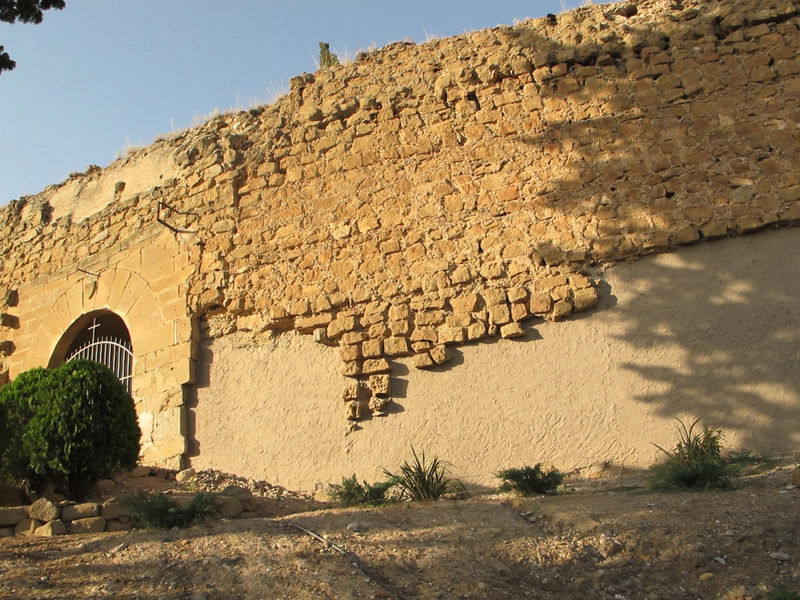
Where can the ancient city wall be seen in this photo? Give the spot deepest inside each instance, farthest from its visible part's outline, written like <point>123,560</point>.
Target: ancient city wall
<point>425,197</point>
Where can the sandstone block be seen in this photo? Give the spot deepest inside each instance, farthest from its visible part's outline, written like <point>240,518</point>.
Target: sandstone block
<point>379,384</point>
<point>350,353</point>
<point>499,314</point>
<point>114,508</point>
<point>465,303</point>
<point>429,317</point>
<point>351,369</point>
<point>43,510</point>
<point>80,511</point>
<point>12,515</point>
<point>307,325</point>
<point>423,361</point>
<point>541,303</point>
<point>375,365</point>
<point>399,312</point>
<point>27,526</point>
<point>584,299</point>
<point>519,311</point>
<point>88,525</point>
<point>399,328</point>
<point>440,354</point>
<point>459,319</point>
<point>353,337</point>
<point>424,334</point>
<point>379,405</point>
<point>476,331</point>
<point>372,348</point>
<point>512,330</point>
<point>517,294</point>
<point>493,296</point>
<point>561,309</point>
<point>51,529</point>
<point>451,335</point>
<point>340,326</point>
<point>6,532</point>
<point>421,346</point>
<point>396,346</point>
<point>185,475</point>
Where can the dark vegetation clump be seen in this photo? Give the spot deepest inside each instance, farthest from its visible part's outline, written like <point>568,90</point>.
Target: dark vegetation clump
<point>530,481</point>
<point>67,427</point>
<point>161,512</point>
<point>696,462</point>
<point>352,493</point>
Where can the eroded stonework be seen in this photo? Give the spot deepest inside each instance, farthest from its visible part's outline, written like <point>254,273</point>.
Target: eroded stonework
<point>424,197</point>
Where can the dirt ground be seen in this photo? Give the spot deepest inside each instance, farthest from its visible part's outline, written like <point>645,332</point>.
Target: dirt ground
<point>605,538</point>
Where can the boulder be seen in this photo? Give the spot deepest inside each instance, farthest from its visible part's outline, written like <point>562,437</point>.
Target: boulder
<point>50,529</point>
<point>88,525</point>
<point>80,511</point>
<point>114,508</point>
<point>11,515</point>
<point>27,526</point>
<point>229,507</point>
<point>44,510</point>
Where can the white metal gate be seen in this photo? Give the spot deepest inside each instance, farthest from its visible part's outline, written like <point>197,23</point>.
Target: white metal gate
<point>114,353</point>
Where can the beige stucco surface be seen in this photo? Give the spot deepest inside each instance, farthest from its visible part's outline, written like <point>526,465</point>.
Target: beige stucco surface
<point>711,331</point>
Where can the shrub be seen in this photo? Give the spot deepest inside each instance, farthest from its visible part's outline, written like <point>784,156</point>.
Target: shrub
<point>696,461</point>
<point>17,407</point>
<point>160,512</point>
<point>353,493</point>
<point>422,481</point>
<point>83,426</point>
<point>530,480</point>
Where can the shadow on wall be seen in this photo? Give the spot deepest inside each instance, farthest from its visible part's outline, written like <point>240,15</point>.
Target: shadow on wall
<point>741,351</point>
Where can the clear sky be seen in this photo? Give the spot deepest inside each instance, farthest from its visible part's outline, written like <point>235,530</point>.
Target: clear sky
<point>101,75</point>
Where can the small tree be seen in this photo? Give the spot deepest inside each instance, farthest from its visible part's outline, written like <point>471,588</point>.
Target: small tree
<point>71,425</point>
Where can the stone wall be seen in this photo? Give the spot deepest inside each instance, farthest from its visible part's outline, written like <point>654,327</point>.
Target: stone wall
<point>428,196</point>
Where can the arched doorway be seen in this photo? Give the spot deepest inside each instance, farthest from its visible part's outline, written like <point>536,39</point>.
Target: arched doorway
<point>101,336</point>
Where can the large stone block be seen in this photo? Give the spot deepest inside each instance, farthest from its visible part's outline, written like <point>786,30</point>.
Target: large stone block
<point>44,510</point>
<point>88,525</point>
<point>11,515</point>
<point>73,512</point>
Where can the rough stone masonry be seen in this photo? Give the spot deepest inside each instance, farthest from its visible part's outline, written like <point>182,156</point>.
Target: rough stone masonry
<point>419,198</point>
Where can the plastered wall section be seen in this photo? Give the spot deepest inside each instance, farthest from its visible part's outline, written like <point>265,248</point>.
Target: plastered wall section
<point>142,280</point>
<point>700,333</point>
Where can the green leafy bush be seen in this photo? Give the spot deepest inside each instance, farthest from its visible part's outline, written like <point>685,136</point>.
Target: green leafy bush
<point>353,493</point>
<point>160,512</point>
<point>69,426</point>
<point>421,481</point>
<point>695,462</point>
<point>530,480</point>
<point>17,406</point>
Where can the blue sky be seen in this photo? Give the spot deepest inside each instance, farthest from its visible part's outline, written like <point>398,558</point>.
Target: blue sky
<point>104,74</point>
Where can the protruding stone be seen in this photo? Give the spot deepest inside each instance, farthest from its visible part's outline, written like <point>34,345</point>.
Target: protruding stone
<point>584,299</point>
<point>440,355</point>
<point>114,508</point>
<point>396,346</point>
<point>423,361</point>
<point>561,309</point>
<point>541,303</point>
<point>476,331</point>
<point>27,526</point>
<point>512,330</point>
<point>351,369</point>
<point>379,384</point>
<point>350,353</point>
<point>375,365</point>
<point>80,511</point>
<point>372,349</point>
<point>499,314</point>
<point>185,475</point>
<point>12,515</point>
<point>44,510</point>
<point>465,303</point>
<point>51,529</point>
<point>88,525</point>
<point>340,326</point>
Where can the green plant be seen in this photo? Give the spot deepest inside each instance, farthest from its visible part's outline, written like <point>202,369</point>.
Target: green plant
<point>530,480</point>
<point>695,462</point>
<point>160,512</point>
<point>353,493</point>
<point>18,404</point>
<point>83,427</point>
<point>421,481</point>
<point>782,593</point>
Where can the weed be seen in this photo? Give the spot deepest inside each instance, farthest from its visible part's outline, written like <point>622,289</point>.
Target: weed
<point>696,461</point>
<point>782,593</point>
<point>160,512</point>
<point>422,481</point>
<point>530,480</point>
<point>353,493</point>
